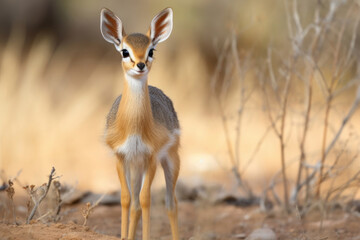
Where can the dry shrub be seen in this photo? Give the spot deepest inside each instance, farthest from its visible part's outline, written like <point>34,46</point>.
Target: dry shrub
<point>310,90</point>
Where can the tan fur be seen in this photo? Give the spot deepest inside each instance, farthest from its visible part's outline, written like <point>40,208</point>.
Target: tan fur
<point>138,43</point>
<point>135,117</point>
<point>139,49</point>
<point>132,115</point>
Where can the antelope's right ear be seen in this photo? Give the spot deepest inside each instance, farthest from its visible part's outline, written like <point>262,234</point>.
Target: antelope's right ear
<point>111,27</point>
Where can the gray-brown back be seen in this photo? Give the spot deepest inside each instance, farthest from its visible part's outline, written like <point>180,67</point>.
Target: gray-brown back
<point>162,109</point>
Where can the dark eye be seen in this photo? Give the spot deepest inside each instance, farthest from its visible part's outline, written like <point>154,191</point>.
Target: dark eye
<point>151,53</point>
<point>125,53</point>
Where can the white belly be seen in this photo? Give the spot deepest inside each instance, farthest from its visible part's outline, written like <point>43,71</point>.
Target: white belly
<point>134,148</point>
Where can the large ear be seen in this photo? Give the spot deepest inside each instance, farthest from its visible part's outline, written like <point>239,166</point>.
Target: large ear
<point>111,27</point>
<point>161,26</point>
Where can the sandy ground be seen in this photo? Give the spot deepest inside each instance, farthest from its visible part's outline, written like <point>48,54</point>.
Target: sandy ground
<point>198,220</point>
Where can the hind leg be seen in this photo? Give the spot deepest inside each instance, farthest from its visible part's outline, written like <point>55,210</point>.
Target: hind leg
<point>171,167</point>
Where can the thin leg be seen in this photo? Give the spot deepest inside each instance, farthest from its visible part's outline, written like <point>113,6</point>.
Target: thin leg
<point>125,197</point>
<point>136,175</point>
<point>171,171</point>
<point>145,198</point>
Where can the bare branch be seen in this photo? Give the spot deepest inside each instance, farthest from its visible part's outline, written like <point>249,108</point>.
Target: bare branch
<point>336,137</point>
<point>37,202</point>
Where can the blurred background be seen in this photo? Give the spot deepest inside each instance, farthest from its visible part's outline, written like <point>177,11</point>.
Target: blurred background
<point>58,79</point>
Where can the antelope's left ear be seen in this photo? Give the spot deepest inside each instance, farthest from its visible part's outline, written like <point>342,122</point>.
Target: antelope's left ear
<point>161,26</point>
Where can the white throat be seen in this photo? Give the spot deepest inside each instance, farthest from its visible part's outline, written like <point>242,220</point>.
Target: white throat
<point>136,84</point>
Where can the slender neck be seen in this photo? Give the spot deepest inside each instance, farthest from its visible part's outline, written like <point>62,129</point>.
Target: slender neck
<point>135,102</point>
<point>134,115</point>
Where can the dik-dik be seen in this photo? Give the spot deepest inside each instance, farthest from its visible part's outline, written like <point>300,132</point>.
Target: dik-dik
<point>142,126</point>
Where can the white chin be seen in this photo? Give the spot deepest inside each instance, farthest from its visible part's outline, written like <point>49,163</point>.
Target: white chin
<point>135,73</point>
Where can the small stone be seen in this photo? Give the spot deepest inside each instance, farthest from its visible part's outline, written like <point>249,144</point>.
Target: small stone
<point>262,234</point>
<point>240,236</point>
<point>210,236</point>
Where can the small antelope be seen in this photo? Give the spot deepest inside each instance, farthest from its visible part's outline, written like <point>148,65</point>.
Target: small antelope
<point>142,126</point>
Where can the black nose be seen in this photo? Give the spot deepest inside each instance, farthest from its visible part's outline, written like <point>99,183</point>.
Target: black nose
<point>141,65</point>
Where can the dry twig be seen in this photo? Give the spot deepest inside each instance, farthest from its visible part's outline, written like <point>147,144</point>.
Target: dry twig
<point>38,201</point>
<point>87,210</point>
<point>10,193</point>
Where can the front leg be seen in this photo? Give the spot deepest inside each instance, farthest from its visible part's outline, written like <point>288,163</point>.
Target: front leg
<point>145,198</point>
<point>125,196</point>
<point>136,175</point>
